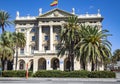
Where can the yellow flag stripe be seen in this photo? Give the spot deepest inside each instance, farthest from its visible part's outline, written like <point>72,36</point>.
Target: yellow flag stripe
<point>54,3</point>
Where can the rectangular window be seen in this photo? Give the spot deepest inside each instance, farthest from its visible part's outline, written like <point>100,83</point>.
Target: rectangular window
<point>46,48</point>
<point>22,30</point>
<point>57,38</point>
<point>33,30</point>
<point>33,38</point>
<point>22,51</point>
<point>32,50</point>
<point>56,47</point>
<point>46,38</point>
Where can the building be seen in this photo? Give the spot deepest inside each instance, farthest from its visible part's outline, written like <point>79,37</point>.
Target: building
<point>42,38</point>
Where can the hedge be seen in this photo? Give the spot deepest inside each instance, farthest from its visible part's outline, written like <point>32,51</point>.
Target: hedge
<point>102,74</point>
<point>18,73</point>
<point>60,74</point>
<point>76,74</point>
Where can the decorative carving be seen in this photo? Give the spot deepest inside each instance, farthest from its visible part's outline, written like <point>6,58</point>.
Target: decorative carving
<point>56,14</point>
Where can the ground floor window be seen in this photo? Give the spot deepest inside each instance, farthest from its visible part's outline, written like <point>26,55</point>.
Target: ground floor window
<point>22,65</point>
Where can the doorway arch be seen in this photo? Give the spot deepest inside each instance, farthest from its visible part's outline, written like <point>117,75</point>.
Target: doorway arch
<point>21,65</point>
<point>66,64</point>
<point>55,63</point>
<point>42,64</point>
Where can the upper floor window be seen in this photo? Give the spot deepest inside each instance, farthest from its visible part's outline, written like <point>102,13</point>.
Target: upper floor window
<point>46,48</point>
<point>46,38</point>
<point>22,51</point>
<point>33,30</point>
<point>57,37</point>
<point>33,38</point>
<point>32,49</point>
<point>22,30</point>
<point>56,47</point>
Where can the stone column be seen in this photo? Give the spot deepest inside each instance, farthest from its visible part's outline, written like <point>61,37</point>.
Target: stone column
<point>18,65</point>
<point>62,65</point>
<point>27,42</point>
<point>35,64</point>
<point>51,38</point>
<point>89,66</point>
<point>40,38</point>
<point>48,63</point>
<point>76,64</point>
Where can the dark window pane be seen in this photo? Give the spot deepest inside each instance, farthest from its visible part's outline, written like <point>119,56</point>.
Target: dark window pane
<point>22,29</point>
<point>57,37</point>
<point>46,47</point>
<point>33,38</point>
<point>22,51</point>
<point>46,38</point>
<point>33,30</point>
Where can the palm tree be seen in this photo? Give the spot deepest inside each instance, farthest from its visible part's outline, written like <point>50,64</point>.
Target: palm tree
<point>68,36</point>
<point>93,46</point>
<point>4,19</point>
<point>116,56</point>
<point>6,51</point>
<point>19,42</point>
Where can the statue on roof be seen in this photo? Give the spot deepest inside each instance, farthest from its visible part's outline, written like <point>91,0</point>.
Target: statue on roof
<point>17,14</point>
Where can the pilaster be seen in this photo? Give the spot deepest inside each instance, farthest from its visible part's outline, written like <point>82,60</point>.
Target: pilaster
<point>27,42</point>
<point>40,38</point>
<point>35,64</point>
<point>51,38</point>
<point>48,63</point>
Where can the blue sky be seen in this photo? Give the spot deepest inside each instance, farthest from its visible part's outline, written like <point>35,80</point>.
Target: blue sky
<point>109,10</point>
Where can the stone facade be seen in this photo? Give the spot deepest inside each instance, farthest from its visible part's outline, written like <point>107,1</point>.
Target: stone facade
<point>42,38</point>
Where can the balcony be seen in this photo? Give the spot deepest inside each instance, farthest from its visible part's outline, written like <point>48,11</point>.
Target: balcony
<point>45,52</point>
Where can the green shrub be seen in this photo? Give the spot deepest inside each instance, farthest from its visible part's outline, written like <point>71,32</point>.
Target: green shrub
<point>19,73</point>
<point>9,73</point>
<point>80,74</point>
<point>56,73</point>
<point>49,73</point>
<point>102,74</point>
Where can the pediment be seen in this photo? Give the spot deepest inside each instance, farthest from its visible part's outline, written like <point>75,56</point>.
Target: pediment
<point>56,13</point>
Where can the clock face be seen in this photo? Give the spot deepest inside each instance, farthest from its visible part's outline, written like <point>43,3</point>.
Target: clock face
<point>56,13</point>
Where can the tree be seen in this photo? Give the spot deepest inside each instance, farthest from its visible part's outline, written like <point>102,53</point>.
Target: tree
<point>68,35</point>
<point>19,42</point>
<point>93,46</point>
<point>116,56</point>
<point>4,19</point>
<point>6,51</point>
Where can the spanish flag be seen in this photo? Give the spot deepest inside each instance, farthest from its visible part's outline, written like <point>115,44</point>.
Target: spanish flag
<point>54,3</point>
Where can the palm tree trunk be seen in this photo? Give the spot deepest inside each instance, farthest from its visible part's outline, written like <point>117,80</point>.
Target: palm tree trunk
<point>16,58</point>
<point>72,56</point>
<point>83,64</point>
<point>72,62</point>
<point>1,65</point>
<point>96,64</point>
<point>5,64</point>
<point>92,69</point>
<point>3,29</point>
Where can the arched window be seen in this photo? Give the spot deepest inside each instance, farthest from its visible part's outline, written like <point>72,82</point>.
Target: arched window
<point>22,65</point>
<point>55,63</point>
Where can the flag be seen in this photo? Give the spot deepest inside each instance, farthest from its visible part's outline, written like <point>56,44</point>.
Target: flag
<point>54,3</point>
